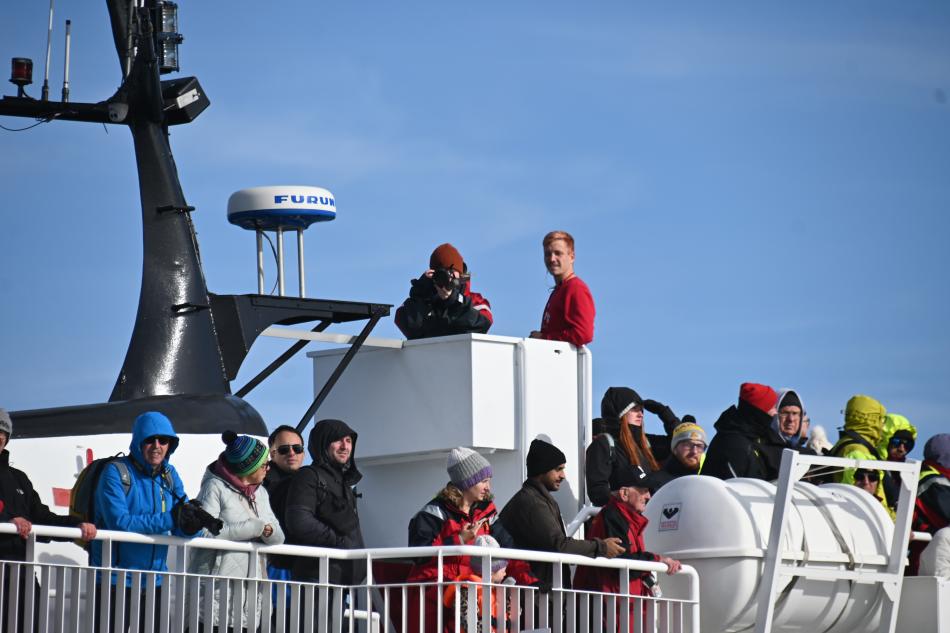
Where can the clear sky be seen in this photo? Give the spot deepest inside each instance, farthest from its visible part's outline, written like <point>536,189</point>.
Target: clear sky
<point>759,191</point>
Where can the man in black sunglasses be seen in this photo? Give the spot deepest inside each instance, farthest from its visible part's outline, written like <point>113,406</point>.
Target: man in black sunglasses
<point>896,443</point>
<point>286,458</point>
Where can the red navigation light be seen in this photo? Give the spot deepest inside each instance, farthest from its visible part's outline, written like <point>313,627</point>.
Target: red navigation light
<point>22,73</point>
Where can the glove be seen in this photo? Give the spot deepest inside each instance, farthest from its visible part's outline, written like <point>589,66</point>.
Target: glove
<point>666,415</point>
<point>422,289</point>
<point>190,517</point>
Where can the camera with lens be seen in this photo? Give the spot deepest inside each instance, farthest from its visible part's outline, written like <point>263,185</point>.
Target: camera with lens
<point>444,278</point>
<point>191,517</point>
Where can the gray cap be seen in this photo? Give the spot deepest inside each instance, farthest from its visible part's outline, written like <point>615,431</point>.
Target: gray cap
<point>466,467</point>
<point>937,449</point>
<point>6,424</point>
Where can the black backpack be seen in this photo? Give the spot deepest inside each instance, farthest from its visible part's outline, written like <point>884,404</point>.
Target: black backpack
<point>82,497</point>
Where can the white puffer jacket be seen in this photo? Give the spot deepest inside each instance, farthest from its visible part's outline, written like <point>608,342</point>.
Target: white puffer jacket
<point>243,521</point>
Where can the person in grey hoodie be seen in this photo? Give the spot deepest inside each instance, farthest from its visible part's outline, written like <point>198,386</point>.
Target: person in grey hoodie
<point>231,490</point>
<point>788,419</point>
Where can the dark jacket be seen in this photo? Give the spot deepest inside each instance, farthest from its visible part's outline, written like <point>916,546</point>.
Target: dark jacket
<point>533,519</point>
<point>321,506</point>
<point>277,484</point>
<point>672,469</point>
<point>604,459</point>
<point>745,445</point>
<point>425,315</point>
<point>19,499</point>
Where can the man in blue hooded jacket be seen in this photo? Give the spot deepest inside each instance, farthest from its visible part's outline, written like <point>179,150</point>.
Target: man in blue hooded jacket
<point>142,493</point>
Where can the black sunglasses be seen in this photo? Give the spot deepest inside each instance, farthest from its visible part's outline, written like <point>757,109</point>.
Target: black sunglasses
<point>868,476</point>
<point>906,441</point>
<point>285,449</point>
<point>163,440</point>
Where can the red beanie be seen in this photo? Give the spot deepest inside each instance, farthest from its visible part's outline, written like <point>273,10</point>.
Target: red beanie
<point>761,397</point>
<point>446,256</point>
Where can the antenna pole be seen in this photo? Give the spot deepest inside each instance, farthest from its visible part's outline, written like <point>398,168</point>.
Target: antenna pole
<point>49,48</point>
<point>300,270</point>
<point>69,27</point>
<point>280,261</point>
<point>260,262</point>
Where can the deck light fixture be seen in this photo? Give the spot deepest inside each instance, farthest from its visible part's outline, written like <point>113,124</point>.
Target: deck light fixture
<point>168,37</point>
<point>21,75</point>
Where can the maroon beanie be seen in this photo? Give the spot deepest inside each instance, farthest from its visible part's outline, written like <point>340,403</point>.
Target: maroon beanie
<point>762,397</point>
<point>446,256</point>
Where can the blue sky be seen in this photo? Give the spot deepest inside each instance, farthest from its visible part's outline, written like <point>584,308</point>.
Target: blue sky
<point>758,191</point>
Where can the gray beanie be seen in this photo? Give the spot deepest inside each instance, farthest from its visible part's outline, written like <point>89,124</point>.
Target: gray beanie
<point>6,424</point>
<point>486,540</point>
<point>937,449</point>
<point>466,467</point>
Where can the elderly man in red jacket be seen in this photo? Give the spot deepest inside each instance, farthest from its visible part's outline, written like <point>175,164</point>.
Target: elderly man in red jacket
<point>623,518</point>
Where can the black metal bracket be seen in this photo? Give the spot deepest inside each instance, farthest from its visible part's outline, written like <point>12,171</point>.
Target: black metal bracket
<point>277,362</point>
<point>174,207</point>
<point>341,367</point>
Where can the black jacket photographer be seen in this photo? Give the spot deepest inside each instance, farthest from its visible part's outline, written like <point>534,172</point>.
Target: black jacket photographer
<point>440,302</point>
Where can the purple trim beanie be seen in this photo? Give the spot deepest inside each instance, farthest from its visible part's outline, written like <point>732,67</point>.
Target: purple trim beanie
<point>466,468</point>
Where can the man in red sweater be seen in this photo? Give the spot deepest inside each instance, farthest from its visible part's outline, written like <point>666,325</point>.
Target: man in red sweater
<point>569,313</point>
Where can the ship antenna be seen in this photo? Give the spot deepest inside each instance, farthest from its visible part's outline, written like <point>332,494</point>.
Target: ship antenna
<point>69,26</point>
<point>49,48</point>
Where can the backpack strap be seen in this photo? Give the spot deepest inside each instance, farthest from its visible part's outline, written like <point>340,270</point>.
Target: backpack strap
<point>856,439</point>
<point>124,475</point>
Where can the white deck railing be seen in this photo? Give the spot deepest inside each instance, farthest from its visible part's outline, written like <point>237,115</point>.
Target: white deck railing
<point>64,597</point>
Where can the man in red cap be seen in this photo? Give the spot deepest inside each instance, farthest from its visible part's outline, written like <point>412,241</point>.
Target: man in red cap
<point>746,444</point>
<point>441,302</point>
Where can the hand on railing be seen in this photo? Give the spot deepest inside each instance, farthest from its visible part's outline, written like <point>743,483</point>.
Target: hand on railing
<point>23,526</point>
<point>672,565</point>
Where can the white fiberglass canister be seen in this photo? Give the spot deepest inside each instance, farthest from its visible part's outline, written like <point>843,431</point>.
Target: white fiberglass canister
<point>722,529</point>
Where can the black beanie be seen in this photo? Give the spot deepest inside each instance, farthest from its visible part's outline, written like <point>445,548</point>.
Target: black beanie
<point>790,399</point>
<point>618,400</point>
<point>543,457</point>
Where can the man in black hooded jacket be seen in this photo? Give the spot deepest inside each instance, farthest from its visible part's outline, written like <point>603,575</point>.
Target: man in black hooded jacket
<point>746,444</point>
<point>321,503</point>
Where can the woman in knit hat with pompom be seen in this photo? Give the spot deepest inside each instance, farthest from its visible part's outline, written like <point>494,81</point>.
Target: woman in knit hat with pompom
<point>460,512</point>
<point>231,490</point>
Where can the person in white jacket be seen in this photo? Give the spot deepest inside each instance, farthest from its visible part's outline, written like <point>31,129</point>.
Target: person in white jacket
<point>231,490</point>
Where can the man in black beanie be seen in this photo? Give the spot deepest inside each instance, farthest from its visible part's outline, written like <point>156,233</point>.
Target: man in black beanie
<point>533,518</point>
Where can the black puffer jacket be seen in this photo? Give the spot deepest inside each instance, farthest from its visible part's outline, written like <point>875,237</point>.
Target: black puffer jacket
<point>321,506</point>
<point>745,445</point>
<point>425,315</point>
<point>19,499</point>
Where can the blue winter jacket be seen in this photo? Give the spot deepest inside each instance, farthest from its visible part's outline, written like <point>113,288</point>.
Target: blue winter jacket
<point>146,509</point>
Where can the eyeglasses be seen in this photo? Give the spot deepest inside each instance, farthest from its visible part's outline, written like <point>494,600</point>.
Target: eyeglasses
<point>162,440</point>
<point>906,441</point>
<point>690,447</point>
<point>868,476</point>
<point>284,449</point>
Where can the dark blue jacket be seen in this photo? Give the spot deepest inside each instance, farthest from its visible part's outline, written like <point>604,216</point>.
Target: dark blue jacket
<point>146,509</point>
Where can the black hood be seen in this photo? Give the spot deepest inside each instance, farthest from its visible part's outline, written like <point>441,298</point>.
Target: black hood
<point>618,400</point>
<point>744,419</point>
<point>324,433</point>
